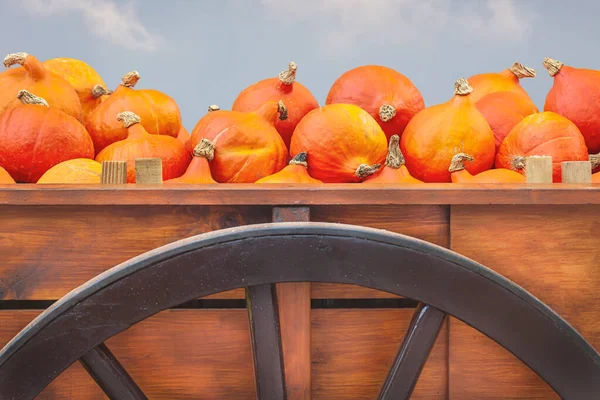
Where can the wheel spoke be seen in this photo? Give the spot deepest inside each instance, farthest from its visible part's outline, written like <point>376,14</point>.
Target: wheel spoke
<point>420,337</point>
<point>110,375</point>
<point>263,314</point>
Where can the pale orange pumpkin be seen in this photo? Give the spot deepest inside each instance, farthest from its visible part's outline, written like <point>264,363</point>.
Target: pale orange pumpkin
<point>500,175</point>
<point>438,132</point>
<point>5,177</point>
<point>507,80</point>
<point>78,170</point>
<point>394,170</point>
<point>199,169</point>
<point>295,172</point>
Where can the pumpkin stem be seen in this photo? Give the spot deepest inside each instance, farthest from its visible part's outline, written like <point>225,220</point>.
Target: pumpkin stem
<point>518,162</point>
<point>522,71</point>
<point>300,159</point>
<point>128,118</point>
<point>204,149</point>
<point>288,76</point>
<point>213,107</point>
<point>462,87</point>
<point>283,111</point>
<point>395,158</point>
<point>15,58</point>
<point>595,160</point>
<point>363,171</point>
<point>28,98</point>
<point>99,91</point>
<point>386,112</point>
<point>553,66</point>
<point>130,79</point>
<point>458,162</point>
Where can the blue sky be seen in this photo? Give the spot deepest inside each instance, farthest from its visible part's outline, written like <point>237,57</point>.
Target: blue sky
<point>204,52</point>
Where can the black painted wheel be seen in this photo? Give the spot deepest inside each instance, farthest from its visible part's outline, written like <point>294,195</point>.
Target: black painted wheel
<point>257,257</point>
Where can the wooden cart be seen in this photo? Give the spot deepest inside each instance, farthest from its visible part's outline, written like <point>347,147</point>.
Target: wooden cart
<point>339,340</point>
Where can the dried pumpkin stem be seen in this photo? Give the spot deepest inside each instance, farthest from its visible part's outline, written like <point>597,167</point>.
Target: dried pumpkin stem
<point>130,79</point>
<point>15,58</point>
<point>395,158</point>
<point>28,98</point>
<point>386,112</point>
<point>213,107</point>
<point>99,91</point>
<point>462,87</point>
<point>364,170</point>
<point>204,149</point>
<point>300,159</point>
<point>553,66</point>
<point>595,160</point>
<point>518,162</point>
<point>458,162</point>
<point>522,71</point>
<point>283,111</point>
<point>288,76</point>
<point>128,118</point>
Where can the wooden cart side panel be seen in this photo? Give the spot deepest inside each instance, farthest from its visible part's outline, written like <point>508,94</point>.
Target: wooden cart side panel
<point>552,252</point>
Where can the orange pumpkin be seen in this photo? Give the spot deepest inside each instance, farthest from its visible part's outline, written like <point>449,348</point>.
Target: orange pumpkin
<point>438,132</point>
<point>78,170</point>
<point>387,95</point>
<point>507,80</point>
<point>5,177</point>
<point>500,175</point>
<point>183,136</point>
<point>542,134</point>
<point>344,142</point>
<point>140,144</point>
<point>35,78</point>
<point>503,110</point>
<point>159,113</point>
<point>575,95</point>
<point>248,147</point>
<point>87,82</point>
<point>295,172</point>
<point>199,169</point>
<point>394,170</point>
<point>35,137</point>
<point>296,97</point>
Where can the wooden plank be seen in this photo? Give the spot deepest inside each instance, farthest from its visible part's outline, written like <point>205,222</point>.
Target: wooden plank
<point>48,251</point>
<point>184,354</point>
<point>285,194</point>
<point>429,223</point>
<point>553,253</point>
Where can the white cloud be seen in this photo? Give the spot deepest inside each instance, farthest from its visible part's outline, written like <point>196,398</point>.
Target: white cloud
<point>342,22</point>
<point>116,23</point>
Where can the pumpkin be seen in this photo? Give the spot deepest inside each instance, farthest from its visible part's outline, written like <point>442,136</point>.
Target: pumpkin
<point>500,175</point>
<point>88,84</point>
<point>438,132</point>
<point>35,137</point>
<point>199,169</point>
<point>345,143</point>
<point>503,110</point>
<point>387,95</point>
<point>35,78</point>
<point>79,170</point>
<point>596,177</point>
<point>542,134</point>
<point>574,95</point>
<point>507,80</point>
<point>248,147</point>
<point>295,172</point>
<point>184,135</point>
<point>5,177</point>
<point>159,113</point>
<point>296,97</point>
<point>394,170</point>
<point>141,144</point>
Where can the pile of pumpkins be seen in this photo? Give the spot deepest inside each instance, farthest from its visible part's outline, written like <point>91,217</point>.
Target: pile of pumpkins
<point>59,122</point>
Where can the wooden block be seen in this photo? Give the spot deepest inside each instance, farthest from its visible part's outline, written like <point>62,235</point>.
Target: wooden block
<point>576,172</point>
<point>148,170</point>
<point>538,169</point>
<point>550,251</point>
<point>114,172</point>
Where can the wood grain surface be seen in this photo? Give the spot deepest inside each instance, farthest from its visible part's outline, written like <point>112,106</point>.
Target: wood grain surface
<point>552,252</point>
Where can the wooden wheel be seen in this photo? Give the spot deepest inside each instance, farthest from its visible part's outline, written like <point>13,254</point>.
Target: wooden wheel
<point>257,257</point>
